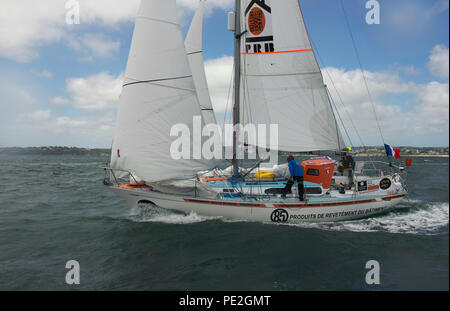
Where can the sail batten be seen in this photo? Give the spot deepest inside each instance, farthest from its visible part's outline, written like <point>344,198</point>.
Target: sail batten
<point>157,80</point>
<point>159,20</point>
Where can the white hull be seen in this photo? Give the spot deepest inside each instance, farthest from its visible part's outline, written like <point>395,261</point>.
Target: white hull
<point>263,211</point>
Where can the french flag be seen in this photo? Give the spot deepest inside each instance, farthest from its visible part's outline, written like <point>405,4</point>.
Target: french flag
<point>392,152</point>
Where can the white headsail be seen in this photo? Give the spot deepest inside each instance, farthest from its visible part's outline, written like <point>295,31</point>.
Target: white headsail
<point>194,49</point>
<point>281,79</point>
<point>158,93</point>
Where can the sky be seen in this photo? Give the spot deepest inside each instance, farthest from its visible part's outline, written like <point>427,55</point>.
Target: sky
<point>60,83</point>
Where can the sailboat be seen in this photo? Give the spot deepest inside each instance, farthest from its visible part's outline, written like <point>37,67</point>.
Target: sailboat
<point>277,80</point>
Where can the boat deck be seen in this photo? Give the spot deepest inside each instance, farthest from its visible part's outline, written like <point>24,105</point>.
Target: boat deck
<point>333,197</point>
<point>291,200</point>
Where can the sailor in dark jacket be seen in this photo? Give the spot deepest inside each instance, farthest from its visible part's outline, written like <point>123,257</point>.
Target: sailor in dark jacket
<point>296,171</point>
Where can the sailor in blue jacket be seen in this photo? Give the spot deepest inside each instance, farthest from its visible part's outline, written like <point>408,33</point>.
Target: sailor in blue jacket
<point>296,171</point>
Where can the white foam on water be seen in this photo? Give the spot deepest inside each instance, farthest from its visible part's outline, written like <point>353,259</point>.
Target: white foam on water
<point>180,219</point>
<point>229,220</point>
<point>415,217</point>
<point>412,217</point>
<point>156,214</point>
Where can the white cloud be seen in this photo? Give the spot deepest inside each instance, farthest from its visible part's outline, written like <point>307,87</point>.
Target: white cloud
<point>409,113</point>
<point>411,19</point>
<point>423,121</point>
<point>425,112</point>
<point>93,45</point>
<point>437,8</point>
<point>108,12</point>
<point>43,127</point>
<point>60,101</point>
<point>99,45</point>
<point>210,4</point>
<point>92,131</point>
<point>66,122</point>
<point>40,129</point>
<point>111,12</point>
<point>98,92</point>
<point>351,84</point>
<point>45,74</point>
<point>40,115</point>
<point>410,70</point>
<point>17,99</point>
<point>433,112</point>
<point>438,64</point>
<point>219,72</point>
<point>27,25</point>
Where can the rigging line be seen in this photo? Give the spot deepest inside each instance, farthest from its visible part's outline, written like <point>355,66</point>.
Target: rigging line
<point>365,148</point>
<point>362,69</point>
<point>340,97</point>
<point>227,106</point>
<point>343,105</point>
<point>339,116</point>
<point>229,99</point>
<point>342,122</point>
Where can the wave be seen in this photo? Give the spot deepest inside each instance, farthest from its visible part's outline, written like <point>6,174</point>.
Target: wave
<point>412,217</point>
<point>156,214</point>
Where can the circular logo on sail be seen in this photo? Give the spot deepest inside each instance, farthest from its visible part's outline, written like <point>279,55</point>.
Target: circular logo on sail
<point>279,215</point>
<point>256,21</point>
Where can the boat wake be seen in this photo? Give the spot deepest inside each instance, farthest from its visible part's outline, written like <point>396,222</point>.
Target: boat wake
<point>155,214</point>
<point>411,217</point>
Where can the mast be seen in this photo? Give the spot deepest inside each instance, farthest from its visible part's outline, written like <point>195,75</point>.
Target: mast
<point>237,84</point>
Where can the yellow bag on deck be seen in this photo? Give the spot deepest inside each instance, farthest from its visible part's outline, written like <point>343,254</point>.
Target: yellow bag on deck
<point>264,175</point>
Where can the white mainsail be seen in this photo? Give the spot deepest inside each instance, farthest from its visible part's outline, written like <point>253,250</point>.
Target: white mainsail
<point>281,79</point>
<point>158,93</point>
<point>194,50</point>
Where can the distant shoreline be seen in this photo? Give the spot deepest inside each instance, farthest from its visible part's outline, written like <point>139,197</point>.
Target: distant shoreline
<point>405,156</point>
<point>56,150</point>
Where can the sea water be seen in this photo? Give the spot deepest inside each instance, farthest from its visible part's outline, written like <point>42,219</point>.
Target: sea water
<point>54,209</point>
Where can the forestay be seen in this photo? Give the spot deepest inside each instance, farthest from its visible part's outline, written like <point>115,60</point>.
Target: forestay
<point>281,79</point>
<point>158,93</point>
